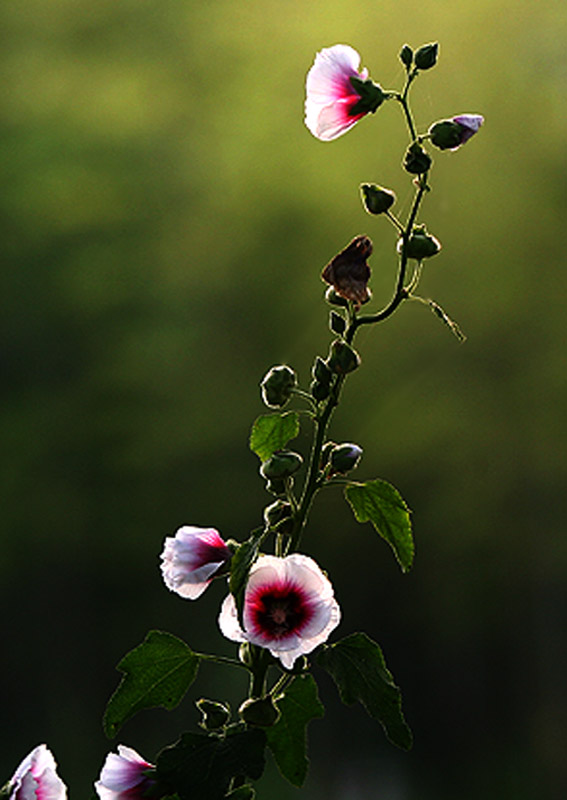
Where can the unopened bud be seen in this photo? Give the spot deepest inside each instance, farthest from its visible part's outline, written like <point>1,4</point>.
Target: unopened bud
<point>376,199</point>
<point>450,134</point>
<point>416,160</point>
<point>426,56</point>
<point>281,465</point>
<point>279,516</point>
<point>342,358</point>
<point>261,713</point>
<point>337,323</point>
<point>215,715</point>
<point>345,457</point>
<point>319,390</point>
<point>276,487</point>
<point>333,298</point>
<point>277,386</point>
<point>406,56</point>
<point>321,371</point>
<point>420,244</point>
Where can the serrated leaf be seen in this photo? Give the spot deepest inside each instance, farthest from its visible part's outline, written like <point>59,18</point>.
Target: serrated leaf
<point>358,668</point>
<point>240,565</point>
<point>156,673</point>
<point>287,739</point>
<point>381,504</point>
<point>271,432</point>
<point>202,766</point>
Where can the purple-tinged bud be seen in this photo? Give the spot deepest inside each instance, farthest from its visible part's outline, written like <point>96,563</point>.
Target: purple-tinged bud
<point>376,199</point>
<point>277,386</point>
<point>215,715</point>
<point>420,244</point>
<point>426,56</point>
<point>417,160</point>
<point>345,457</point>
<point>450,134</point>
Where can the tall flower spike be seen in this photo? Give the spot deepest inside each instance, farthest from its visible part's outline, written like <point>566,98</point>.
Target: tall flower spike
<point>190,559</point>
<point>36,778</point>
<point>289,608</point>
<point>337,94</point>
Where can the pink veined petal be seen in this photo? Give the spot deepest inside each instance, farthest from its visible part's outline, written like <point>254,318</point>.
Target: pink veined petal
<point>123,771</point>
<point>36,777</point>
<point>228,621</point>
<point>333,120</point>
<point>328,78</point>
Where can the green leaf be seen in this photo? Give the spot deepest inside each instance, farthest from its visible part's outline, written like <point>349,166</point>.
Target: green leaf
<point>381,504</point>
<point>271,432</point>
<point>287,739</point>
<point>245,792</point>
<point>201,766</point>
<point>240,565</point>
<point>156,673</point>
<point>358,668</point>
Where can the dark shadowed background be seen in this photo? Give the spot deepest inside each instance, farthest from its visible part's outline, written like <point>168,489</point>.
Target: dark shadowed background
<point>165,218</point>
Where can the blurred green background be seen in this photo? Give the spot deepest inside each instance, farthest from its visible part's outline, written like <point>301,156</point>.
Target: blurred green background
<point>165,218</point>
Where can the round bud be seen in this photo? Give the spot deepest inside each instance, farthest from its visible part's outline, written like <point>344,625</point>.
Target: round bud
<point>420,244</point>
<point>259,712</point>
<point>319,390</point>
<point>277,386</point>
<point>376,199</point>
<point>281,465</point>
<point>446,134</point>
<point>342,358</point>
<point>426,56</point>
<point>215,715</point>
<point>345,457</point>
<point>333,298</point>
<point>416,160</point>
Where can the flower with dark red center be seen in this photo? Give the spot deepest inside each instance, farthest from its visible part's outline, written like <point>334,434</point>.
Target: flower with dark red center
<point>191,558</point>
<point>125,777</point>
<point>289,608</point>
<point>36,778</point>
<point>337,94</point>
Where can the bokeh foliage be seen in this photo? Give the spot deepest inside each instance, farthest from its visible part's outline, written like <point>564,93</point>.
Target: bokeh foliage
<point>165,217</point>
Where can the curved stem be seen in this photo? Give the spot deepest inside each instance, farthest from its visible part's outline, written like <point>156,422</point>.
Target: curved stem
<point>221,660</point>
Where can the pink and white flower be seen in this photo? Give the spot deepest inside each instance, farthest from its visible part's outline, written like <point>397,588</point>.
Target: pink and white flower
<point>191,558</point>
<point>289,608</point>
<point>332,104</point>
<point>36,778</point>
<point>124,776</point>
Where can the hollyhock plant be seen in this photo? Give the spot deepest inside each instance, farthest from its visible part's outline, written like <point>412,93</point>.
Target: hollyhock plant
<point>191,558</point>
<point>337,94</point>
<point>289,608</point>
<point>124,776</point>
<point>36,778</point>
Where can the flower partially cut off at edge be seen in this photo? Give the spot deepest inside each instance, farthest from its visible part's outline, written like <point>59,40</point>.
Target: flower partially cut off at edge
<point>191,558</point>
<point>123,776</point>
<point>36,778</point>
<point>348,273</point>
<point>289,608</point>
<point>332,104</point>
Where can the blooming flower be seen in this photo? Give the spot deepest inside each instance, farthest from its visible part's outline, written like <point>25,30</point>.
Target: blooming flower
<point>123,776</point>
<point>450,134</point>
<point>36,778</point>
<point>289,608</point>
<point>190,559</point>
<point>334,102</point>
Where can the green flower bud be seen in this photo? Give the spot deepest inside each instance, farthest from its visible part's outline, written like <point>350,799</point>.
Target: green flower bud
<point>333,298</point>
<point>261,713</point>
<point>245,654</point>
<point>342,358</point>
<point>426,56</point>
<point>345,457</point>
<point>277,386</point>
<point>420,244</point>
<point>321,371</point>
<point>376,199</point>
<point>446,135</point>
<point>276,487</point>
<point>215,715</point>
<point>337,323</point>
<point>416,160</point>
<point>406,56</point>
<point>281,465</point>
<point>319,390</point>
<point>279,516</point>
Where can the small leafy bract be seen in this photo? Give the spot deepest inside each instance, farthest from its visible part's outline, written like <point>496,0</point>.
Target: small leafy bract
<point>287,739</point>
<point>156,673</point>
<point>271,432</point>
<point>381,504</point>
<point>358,668</point>
<point>201,766</point>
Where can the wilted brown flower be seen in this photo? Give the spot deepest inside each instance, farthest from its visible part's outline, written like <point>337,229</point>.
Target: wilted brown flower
<point>348,273</point>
